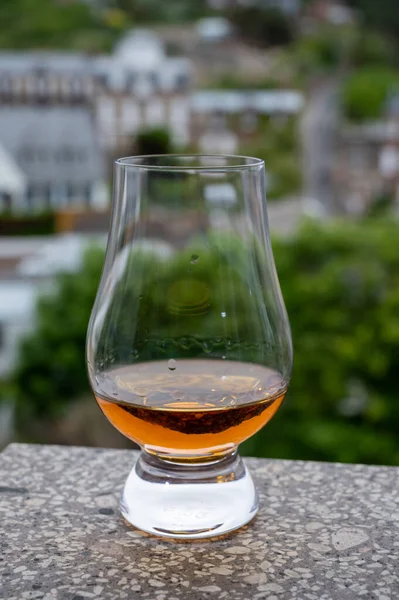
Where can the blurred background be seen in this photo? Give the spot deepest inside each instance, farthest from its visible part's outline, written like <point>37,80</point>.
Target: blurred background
<point>310,86</point>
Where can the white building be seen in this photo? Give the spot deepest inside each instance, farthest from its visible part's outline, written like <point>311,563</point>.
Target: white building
<point>62,114</point>
<point>28,267</point>
<point>56,152</point>
<point>221,120</point>
<point>141,87</point>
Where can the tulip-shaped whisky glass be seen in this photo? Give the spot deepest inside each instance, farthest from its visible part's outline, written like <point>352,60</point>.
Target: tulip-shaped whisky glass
<point>189,347</point>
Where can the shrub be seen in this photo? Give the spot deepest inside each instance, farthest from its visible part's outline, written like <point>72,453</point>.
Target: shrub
<point>366,91</point>
<point>341,287</point>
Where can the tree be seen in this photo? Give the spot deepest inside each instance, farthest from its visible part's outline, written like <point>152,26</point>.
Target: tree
<point>153,141</point>
<point>366,91</point>
<point>277,144</point>
<point>264,26</point>
<point>341,287</point>
<point>50,24</point>
<point>368,48</point>
<point>320,51</point>
<point>156,11</point>
<point>382,14</point>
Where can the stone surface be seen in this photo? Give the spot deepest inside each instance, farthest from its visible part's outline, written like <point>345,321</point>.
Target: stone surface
<point>324,532</point>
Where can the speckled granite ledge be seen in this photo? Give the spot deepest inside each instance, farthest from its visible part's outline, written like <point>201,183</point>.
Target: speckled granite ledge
<point>324,532</point>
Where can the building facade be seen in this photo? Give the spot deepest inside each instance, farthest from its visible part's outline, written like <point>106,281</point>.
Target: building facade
<point>64,116</point>
<point>47,126</point>
<point>222,121</point>
<point>367,161</point>
<point>139,87</point>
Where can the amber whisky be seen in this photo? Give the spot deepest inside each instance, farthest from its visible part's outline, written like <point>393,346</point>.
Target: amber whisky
<point>190,408</point>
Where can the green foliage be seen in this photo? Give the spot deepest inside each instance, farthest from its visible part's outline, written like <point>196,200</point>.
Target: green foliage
<point>332,48</point>
<point>383,14</point>
<point>264,26</point>
<point>383,205</point>
<point>285,176</point>
<point>158,11</point>
<point>277,145</point>
<point>153,141</point>
<point>232,81</point>
<point>176,305</point>
<point>321,51</point>
<point>31,24</point>
<point>368,48</point>
<point>341,287</point>
<point>366,91</point>
<point>50,24</point>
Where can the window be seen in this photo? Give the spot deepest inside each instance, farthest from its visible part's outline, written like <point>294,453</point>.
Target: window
<point>17,85</point>
<point>130,81</point>
<point>154,79</point>
<point>30,194</point>
<point>81,155</point>
<point>155,113</point>
<point>5,86</point>
<point>86,194</point>
<point>106,112</point>
<point>130,116</point>
<point>249,122</point>
<point>26,154</point>
<point>358,156</point>
<point>102,80</point>
<point>2,336</point>
<point>38,196</point>
<point>46,194</point>
<point>218,121</point>
<point>70,192</point>
<point>42,88</point>
<point>76,89</point>
<point>182,81</point>
<point>42,154</point>
<point>67,154</point>
<point>179,110</point>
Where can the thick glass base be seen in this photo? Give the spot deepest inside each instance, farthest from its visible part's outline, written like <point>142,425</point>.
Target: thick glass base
<point>189,501</point>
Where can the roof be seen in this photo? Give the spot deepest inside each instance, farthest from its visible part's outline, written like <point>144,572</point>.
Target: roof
<point>214,28</point>
<point>61,62</point>
<point>35,136</point>
<point>63,253</point>
<point>140,49</point>
<point>376,132</point>
<point>267,102</point>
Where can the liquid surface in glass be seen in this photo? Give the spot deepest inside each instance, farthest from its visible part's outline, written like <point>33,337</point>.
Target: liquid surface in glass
<point>188,407</point>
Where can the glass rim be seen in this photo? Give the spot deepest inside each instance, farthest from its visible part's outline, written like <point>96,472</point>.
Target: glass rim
<point>238,162</point>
